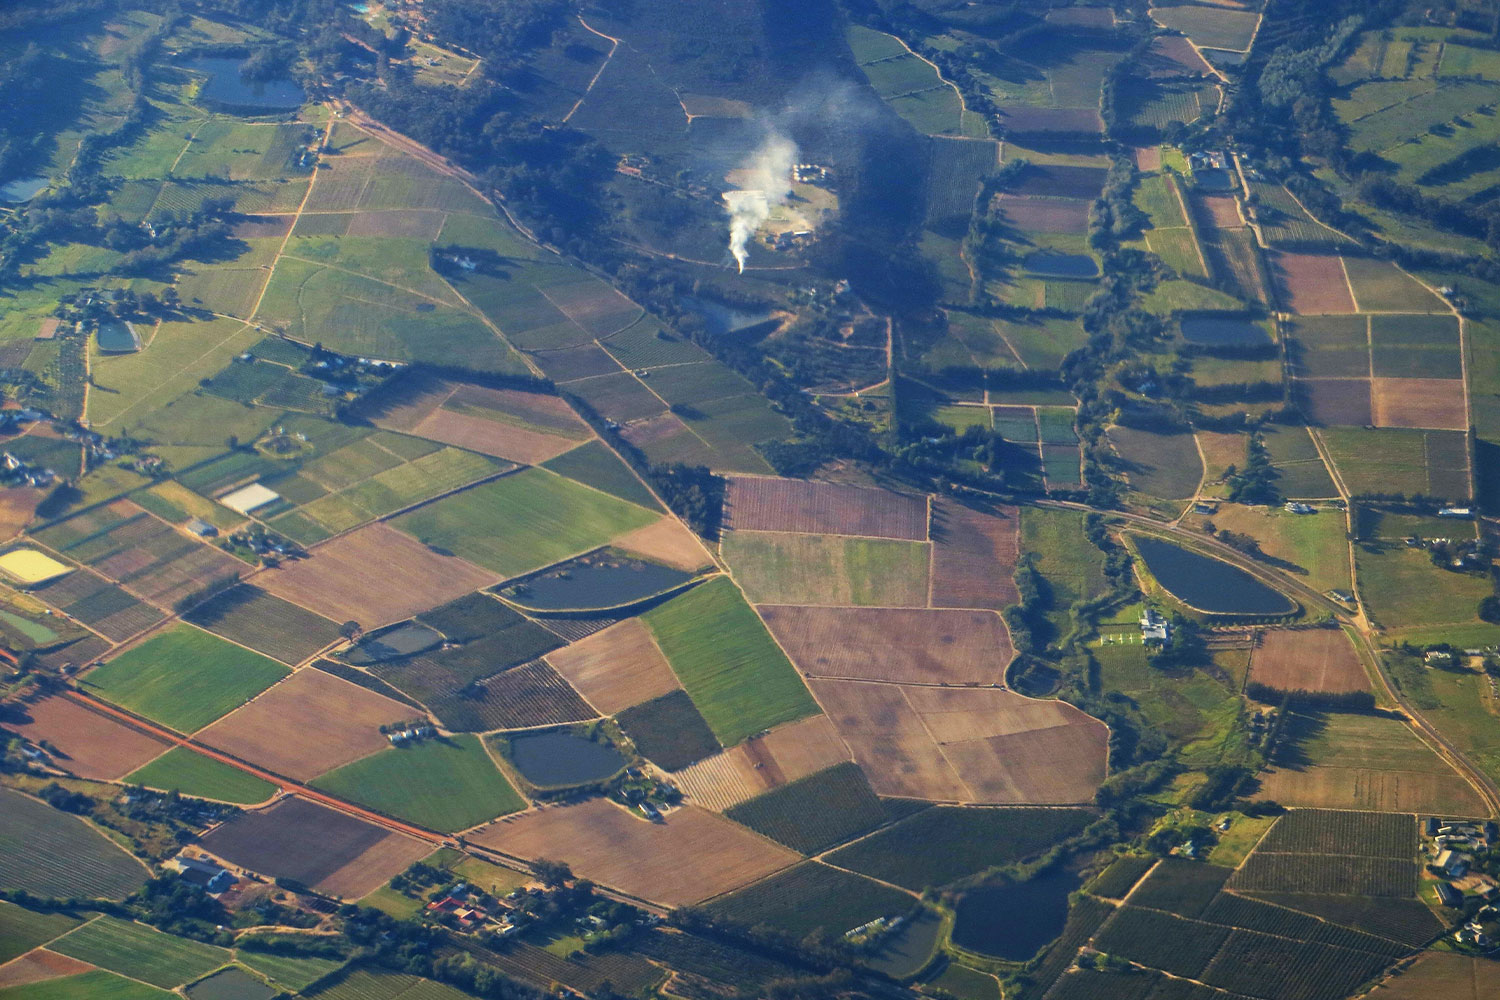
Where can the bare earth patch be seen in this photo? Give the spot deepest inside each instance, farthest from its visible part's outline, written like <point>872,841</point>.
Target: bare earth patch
<point>974,556</point>
<point>350,577</point>
<point>691,856</point>
<point>667,540</point>
<point>1433,403</point>
<point>1310,283</point>
<point>309,723</point>
<point>1320,659</point>
<point>39,965</point>
<point>914,645</point>
<point>492,437</point>
<point>1334,402</point>
<point>768,504</point>
<point>91,745</point>
<point>763,762</point>
<point>616,668</point>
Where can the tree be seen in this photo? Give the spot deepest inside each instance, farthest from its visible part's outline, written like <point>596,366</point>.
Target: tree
<point>350,630</point>
<point>1489,609</point>
<point>552,873</point>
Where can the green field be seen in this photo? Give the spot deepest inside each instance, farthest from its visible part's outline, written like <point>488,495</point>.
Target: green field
<point>1072,565</point>
<point>293,972</point>
<point>53,854</point>
<point>184,678</point>
<point>96,985</point>
<point>1161,465</point>
<point>810,896</point>
<point>1401,588</point>
<point>945,843</point>
<point>669,731</point>
<point>728,663</point>
<point>188,773</point>
<point>593,464</point>
<point>1315,544</point>
<point>1395,461</point>
<point>446,784</point>
<point>141,952</point>
<point>1191,709</point>
<point>522,522</point>
<point>22,930</point>
<point>816,812</point>
<point>778,568</point>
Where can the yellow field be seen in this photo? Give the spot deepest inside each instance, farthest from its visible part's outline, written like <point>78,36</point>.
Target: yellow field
<point>30,567</point>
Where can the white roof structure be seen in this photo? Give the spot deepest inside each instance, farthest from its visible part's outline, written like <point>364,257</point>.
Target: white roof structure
<point>248,498</point>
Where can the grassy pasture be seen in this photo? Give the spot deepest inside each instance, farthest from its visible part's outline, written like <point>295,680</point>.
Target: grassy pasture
<point>446,784</point>
<point>182,770</point>
<point>1170,297</point>
<point>776,568</point>
<point>593,464</point>
<point>141,952</point>
<point>735,673</point>
<point>1402,588</point>
<point>1380,286</point>
<point>176,357</point>
<point>1161,465</point>
<point>1415,347</point>
<point>522,522</point>
<point>184,678</point>
<point>1315,544</point>
<point>1395,460</point>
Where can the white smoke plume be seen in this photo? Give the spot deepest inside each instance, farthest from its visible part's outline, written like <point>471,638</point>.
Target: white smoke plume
<point>766,182</point>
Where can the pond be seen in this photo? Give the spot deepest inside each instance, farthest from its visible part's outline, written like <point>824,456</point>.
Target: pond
<point>1224,331</point>
<point>906,951</point>
<point>115,337</point>
<point>721,319</point>
<point>1062,265</point>
<point>562,757</point>
<point>226,86</point>
<point>22,189</point>
<point>1013,920</point>
<point>406,639</point>
<point>1209,584</point>
<point>599,580</point>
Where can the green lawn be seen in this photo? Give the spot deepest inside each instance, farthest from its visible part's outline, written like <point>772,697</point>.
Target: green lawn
<point>522,522</point>
<point>781,568</point>
<point>445,784</point>
<point>184,678</point>
<point>141,952</point>
<point>734,672</point>
<point>188,773</point>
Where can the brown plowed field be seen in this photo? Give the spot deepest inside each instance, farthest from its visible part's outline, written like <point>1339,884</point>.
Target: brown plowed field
<point>1047,215</point>
<point>1335,402</point>
<point>38,965</point>
<point>968,745</point>
<point>1174,55</point>
<point>1320,659</point>
<point>889,741</point>
<point>766,504</point>
<point>893,644</point>
<point>974,557</point>
<point>331,851</point>
<point>1438,791</point>
<point>91,745</point>
<point>351,576</point>
<point>251,227</point>
<point>492,437</point>
<point>309,723</point>
<point>1218,211</point>
<point>690,856</point>
<point>1309,283</point>
<point>763,762</point>
<point>17,507</point>
<point>1445,975</point>
<point>1435,403</point>
<point>666,540</point>
<point>1147,158</point>
<point>616,668</point>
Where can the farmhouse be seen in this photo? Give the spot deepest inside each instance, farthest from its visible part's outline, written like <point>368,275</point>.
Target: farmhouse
<point>1155,628</point>
<point>202,528</point>
<point>1449,896</point>
<point>1451,863</point>
<point>248,498</point>
<point>206,875</point>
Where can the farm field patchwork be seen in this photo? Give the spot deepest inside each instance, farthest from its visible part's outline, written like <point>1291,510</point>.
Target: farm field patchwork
<point>349,577</point>
<point>445,784</point>
<point>86,743</point>
<point>523,521</point>
<point>785,754</point>
<point>787,568</point>
<point>140,952</point>
<point>689,857</point>
<point>307,724</point>
<point>300,840</point>
<point>252,617</point>
<point>184,678</point>
<point>95,985</point>
<point>22,929</point>
<point>728,664</point>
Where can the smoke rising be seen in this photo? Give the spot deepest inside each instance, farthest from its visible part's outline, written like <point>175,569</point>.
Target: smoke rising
<point>767,183</point>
